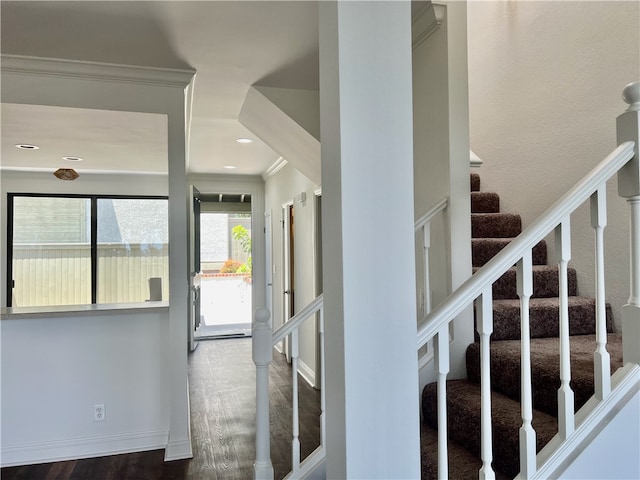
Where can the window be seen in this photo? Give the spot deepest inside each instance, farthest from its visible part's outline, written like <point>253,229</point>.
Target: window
<point>74,250</point>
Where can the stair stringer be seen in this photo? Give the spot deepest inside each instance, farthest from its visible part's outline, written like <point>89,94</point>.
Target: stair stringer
<point>581,452</point>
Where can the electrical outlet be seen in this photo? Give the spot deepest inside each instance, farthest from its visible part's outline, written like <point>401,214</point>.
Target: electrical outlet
<point>98,413</point>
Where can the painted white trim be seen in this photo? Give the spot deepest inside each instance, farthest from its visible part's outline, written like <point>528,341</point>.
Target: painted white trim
<point>425,22</point>
<point>307,373</point>
<point>557,455</point>
<point>106,72</point>
<point>84,447</point>
<point>312,468</point>
<point>474,160</point>
<point>178,450</point>
<point>275,167</point>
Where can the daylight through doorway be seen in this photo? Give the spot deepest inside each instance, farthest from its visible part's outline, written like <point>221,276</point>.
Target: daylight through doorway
<point>225,276</point>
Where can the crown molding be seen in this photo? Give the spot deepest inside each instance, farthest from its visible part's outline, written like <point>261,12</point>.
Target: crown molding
<point>274,168</point>
<point>110,72</point>
<point>426,21</point>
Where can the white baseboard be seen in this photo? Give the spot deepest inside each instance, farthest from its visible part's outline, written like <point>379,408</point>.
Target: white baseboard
<point>75,448</point>
<point>178,450</point>
<point>307,373</point>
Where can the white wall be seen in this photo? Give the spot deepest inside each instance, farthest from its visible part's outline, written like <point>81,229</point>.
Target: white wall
<point>283,187</point>
<point>54,370</point>
<point>441,163</point>
<point>614,452</point>
<point>545,84</point>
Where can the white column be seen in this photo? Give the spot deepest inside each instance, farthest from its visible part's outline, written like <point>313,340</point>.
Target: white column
<point>628,127</point>
<point>368,237</point>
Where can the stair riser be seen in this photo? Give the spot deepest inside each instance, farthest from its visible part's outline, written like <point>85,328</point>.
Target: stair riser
<point>495,225</point>
<point>474,182</point>
<point>485,202</point>
<point>545,370</point>
<point>544,321</point>
<point>484,249</point>
<point>545,284</point>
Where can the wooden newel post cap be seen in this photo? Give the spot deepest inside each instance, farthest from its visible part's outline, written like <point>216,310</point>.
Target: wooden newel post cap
<point>631,95</point>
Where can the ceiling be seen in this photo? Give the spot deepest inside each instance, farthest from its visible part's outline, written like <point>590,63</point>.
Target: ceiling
<point>232,45</point>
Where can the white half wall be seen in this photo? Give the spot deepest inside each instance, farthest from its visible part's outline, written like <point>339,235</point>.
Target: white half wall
<point>545,85</point>
<point>55,369</point>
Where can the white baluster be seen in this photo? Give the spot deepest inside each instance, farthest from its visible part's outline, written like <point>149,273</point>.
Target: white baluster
<point>601,361</point>
<point>323,423</point>
<point>262,353</point>
<point>527,433</point>
<point>426,245</point>
<point>442,364</point>
<point>566,421</point>
<point>628,129</point>
<point>295,441</point>
<point>485,328</point>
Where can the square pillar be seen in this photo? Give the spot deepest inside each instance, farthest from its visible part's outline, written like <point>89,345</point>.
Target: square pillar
<point>368,240</point>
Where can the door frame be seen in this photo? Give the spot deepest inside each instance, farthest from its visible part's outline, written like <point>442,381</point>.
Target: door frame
<point>288,268</point>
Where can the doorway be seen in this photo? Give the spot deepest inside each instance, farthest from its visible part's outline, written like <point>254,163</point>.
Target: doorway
<point>225,303</point>
<point>288,255</point>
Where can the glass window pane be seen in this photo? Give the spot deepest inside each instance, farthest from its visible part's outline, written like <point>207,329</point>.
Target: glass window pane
<point>133,250</point>
<point>51,251</point>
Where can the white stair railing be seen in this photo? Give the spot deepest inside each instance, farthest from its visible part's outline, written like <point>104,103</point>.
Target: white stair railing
<point>423,225</point>
<point>263,341</point>
<point>625,161</point>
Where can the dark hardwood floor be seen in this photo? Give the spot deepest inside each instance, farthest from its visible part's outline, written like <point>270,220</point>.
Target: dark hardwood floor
<point>222,393</point>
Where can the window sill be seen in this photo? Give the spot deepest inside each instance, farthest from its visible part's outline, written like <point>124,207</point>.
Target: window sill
<point>66,311</point>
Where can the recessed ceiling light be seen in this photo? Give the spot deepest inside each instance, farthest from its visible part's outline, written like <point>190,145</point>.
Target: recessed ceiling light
<point>229,167</point>
<point>244,140</point>
<point>72,159</point>
<point>27,146</point>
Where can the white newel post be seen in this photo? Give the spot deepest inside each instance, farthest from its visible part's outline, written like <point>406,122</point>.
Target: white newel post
<point>628,128</point>
<point>262,352</point>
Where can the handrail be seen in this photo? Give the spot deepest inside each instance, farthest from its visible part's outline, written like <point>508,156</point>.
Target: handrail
<point>298,319</point>
<point>427,217</point>
<point>508,256</point>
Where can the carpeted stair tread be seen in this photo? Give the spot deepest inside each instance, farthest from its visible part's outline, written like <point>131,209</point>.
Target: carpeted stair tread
<point>545,282</point>
<point>484,249</point>
<point>545,361</point>
<point>543,317</point>
<point>485,202</point>
<point>495,225</point>
<point>475,182</point>
<point>462,465</point>
<point>463,413</point>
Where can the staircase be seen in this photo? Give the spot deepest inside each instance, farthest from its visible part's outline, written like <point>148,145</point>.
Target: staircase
<point>492,231</point>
